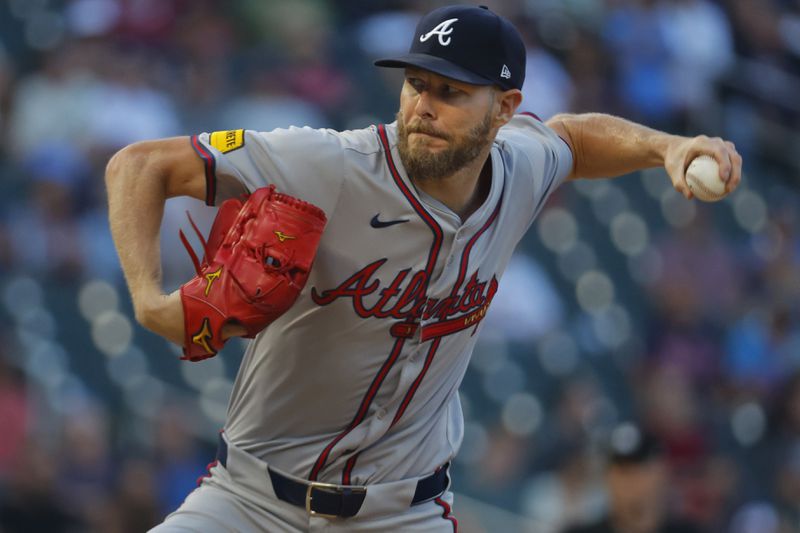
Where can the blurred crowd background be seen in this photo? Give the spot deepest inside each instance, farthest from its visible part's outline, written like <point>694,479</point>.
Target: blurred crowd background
<point>625,302</point>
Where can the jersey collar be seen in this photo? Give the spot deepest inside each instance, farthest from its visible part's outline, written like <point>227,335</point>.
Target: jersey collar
<point>433,205</point>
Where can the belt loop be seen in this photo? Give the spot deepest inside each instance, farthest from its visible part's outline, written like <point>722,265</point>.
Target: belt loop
<point>433,486</point>
<point>222,450</point>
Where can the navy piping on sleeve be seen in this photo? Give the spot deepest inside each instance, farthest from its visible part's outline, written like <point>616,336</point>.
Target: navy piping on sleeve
<point>210,165</point>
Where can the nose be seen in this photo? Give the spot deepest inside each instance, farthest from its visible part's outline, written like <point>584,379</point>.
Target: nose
<point>424,107</point>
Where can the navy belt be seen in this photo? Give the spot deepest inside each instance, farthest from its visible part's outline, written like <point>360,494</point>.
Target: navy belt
<point>343,501</point>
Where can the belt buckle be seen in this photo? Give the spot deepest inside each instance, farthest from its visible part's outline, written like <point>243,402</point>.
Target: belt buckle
<point>327,487</point>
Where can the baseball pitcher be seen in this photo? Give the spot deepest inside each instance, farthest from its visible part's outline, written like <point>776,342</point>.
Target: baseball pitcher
<point>362,263</point>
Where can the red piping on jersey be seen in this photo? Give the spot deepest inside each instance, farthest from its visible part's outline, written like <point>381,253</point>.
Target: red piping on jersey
<point>210,465</point>
<point>451,325</point>
<point>446,514</point>
<point>362,410</point>
<point>433,254</point>
<point>462,270</point>
<point>534,115</point>
<point>439,329</point>
<point>210,168</point>
<point>415,385</point>
<point>348,467</point>
<point>429,220</point>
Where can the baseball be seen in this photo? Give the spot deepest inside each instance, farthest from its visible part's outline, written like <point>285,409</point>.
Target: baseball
<point>703,179</point>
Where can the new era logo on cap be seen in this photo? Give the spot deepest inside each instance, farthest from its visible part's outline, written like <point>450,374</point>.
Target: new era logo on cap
<point>469,44</point>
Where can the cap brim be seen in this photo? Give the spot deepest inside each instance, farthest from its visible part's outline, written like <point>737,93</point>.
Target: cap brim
<point>434,64</point>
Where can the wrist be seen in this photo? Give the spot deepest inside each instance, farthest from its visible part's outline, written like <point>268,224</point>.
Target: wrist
<point>663,145</point>
<point>146,303</point>
<point>670,148</point>
<point>162,314</point>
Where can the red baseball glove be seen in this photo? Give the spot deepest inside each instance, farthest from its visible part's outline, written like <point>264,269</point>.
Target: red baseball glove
<point>256,262</point>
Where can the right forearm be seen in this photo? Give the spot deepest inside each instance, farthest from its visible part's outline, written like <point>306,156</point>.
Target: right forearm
<point>136,195</point>
<point>139,179</point>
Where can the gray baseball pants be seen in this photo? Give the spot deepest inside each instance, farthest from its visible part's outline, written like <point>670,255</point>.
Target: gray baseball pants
<point>240,498</point>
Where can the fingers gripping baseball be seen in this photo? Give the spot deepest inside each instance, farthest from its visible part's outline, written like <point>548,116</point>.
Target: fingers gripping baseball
<point>681,153</point>
<point>257,260</point>
<point>736,167</point>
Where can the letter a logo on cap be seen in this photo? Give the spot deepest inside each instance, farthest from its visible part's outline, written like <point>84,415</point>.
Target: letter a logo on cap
<point>442,29</point>
<point>505,73</point>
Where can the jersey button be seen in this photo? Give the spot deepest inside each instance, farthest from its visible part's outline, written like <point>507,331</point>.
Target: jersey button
<point>381,413</point>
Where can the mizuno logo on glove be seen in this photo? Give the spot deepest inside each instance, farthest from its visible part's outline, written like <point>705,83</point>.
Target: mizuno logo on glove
<point>202,337</point>
<point>211,277</point>
<point>282,236</point>
<point>263,274</point>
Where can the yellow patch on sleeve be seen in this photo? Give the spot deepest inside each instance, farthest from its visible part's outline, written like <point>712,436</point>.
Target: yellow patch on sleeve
<point>227,140</point>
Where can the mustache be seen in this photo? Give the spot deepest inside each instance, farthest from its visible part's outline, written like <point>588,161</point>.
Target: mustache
<point>422,127</point>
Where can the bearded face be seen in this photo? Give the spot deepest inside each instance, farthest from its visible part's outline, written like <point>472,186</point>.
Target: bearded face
<point>423,162</point>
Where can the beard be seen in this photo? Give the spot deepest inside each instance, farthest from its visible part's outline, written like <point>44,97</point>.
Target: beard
<point>422,164</point>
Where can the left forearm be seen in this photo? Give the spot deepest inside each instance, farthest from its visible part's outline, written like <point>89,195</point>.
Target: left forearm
<point>608,146</point>
<point>604,146</point>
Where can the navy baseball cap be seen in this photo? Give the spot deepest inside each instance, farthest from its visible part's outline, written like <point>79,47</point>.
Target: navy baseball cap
<point>466,43</point>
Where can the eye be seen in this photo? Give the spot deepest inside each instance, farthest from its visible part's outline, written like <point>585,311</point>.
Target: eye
<point>449,90</point>
<point>416,83</point>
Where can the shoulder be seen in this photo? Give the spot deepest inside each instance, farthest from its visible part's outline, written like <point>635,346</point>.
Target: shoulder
<point>526,137</point>
<point>527,128</point>
<point>309,139</point>
<point>364,140</point>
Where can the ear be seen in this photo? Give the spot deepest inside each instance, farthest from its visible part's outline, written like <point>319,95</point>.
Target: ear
<point>506,104</point>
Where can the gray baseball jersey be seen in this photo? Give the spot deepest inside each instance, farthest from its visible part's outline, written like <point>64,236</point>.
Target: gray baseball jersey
<point>357,383</point>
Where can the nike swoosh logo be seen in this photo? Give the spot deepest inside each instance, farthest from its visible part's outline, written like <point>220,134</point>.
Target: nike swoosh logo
<point>375,223</point>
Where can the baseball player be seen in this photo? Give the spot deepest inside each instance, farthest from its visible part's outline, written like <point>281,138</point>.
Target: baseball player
<point>345,412</point>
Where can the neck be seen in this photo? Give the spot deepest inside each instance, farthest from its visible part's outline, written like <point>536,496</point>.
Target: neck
<point>465,190</point>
